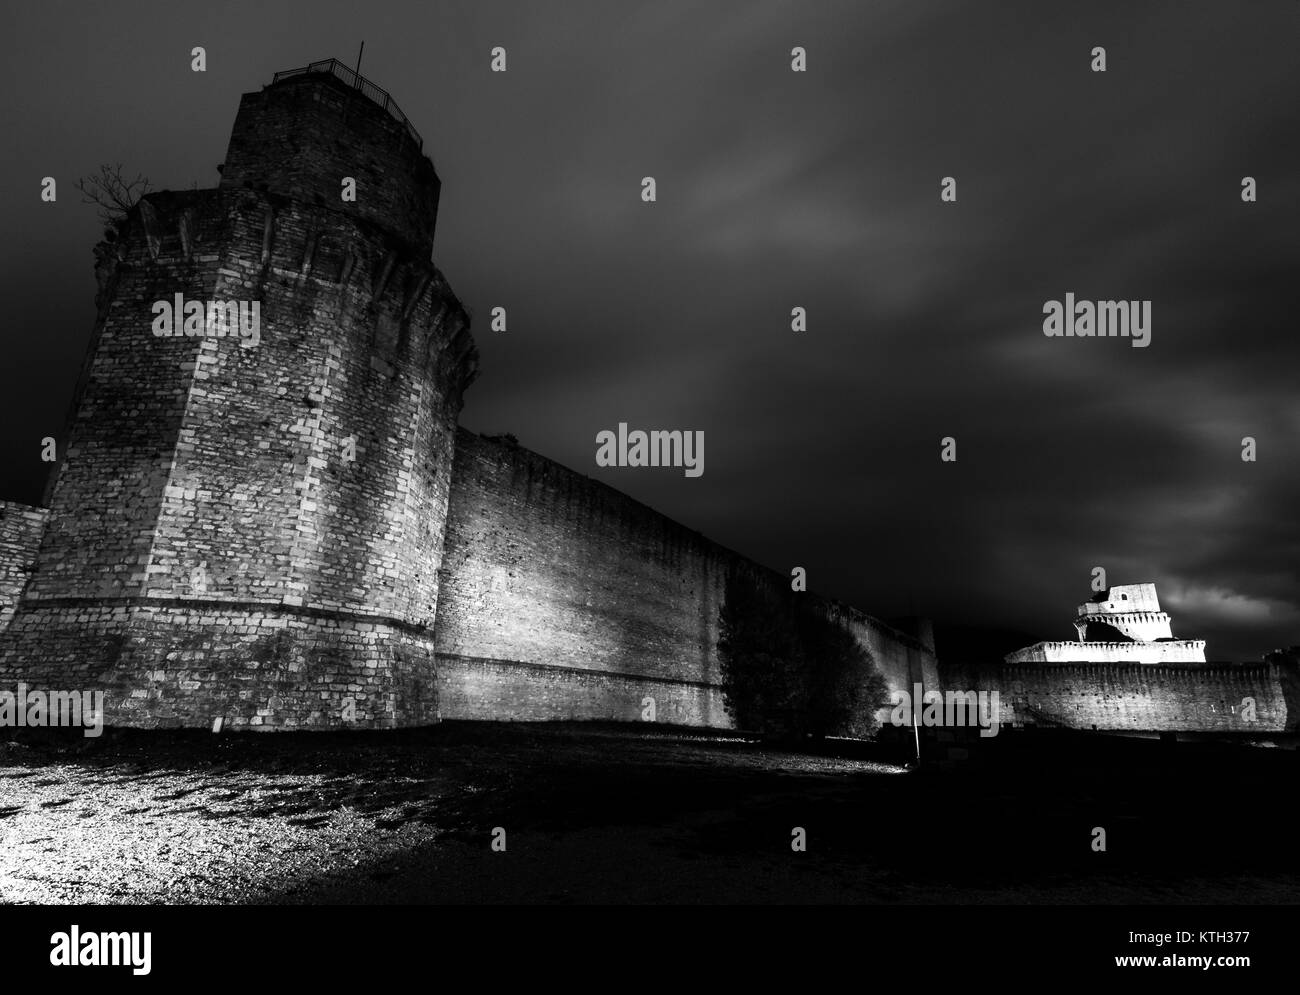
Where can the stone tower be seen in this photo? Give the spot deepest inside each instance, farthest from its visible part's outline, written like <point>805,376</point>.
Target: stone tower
<point>1127,612</point>
<point>249,526</point>
<point>1123,624</point>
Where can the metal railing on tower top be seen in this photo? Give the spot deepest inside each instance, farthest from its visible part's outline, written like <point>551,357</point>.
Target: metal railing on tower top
<point>358,82</point>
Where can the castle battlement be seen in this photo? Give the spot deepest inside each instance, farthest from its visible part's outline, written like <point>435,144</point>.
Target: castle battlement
<point>1167,651</point>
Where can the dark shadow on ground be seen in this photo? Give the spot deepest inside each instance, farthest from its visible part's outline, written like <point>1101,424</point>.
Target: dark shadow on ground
<point>607,813</point>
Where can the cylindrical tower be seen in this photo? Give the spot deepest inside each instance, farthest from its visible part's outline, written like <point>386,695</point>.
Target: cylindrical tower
<point>248,520</point>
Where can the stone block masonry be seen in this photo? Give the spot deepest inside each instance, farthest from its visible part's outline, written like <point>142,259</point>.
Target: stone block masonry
<point>561,597</point>
<point>20,537</point>
<point>508,690</point>
<point>161,662</point>
<point>1139,697</point>
<point>1064,651</point>
<point>304,134</point>
<point>261,524</point>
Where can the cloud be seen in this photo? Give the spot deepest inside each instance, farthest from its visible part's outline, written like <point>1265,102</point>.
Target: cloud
<point>1218,605</point>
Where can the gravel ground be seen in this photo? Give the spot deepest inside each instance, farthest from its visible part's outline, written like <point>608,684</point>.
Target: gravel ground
<point>126,833</point>
<point>167,818</point>
<point>596,814</point>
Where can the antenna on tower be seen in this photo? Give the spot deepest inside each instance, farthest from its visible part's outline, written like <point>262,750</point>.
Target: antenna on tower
<point>356,82</point>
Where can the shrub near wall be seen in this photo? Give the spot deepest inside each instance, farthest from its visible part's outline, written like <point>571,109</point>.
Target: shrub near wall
<point>789,670</point>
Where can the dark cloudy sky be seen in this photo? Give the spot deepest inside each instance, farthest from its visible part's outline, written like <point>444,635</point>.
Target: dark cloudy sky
<point>779,189</point>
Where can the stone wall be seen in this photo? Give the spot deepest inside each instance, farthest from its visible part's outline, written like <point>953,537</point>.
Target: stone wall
<point>220,497</point>
<point>561,597</point>
<point>21,527</point>
<point>301,136</point>
<point>1134,697</point>
<point>1067,651</point>
<point>902,660</point>
<point>510,690</point>
<point>166,662</point>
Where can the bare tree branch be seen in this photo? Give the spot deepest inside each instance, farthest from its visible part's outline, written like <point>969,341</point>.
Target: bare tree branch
<point>112,193</point>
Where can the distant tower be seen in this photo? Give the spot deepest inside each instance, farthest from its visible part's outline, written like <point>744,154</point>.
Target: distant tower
<point>253,531</point>
<point>1127,612</point>
<point>1123,624</point>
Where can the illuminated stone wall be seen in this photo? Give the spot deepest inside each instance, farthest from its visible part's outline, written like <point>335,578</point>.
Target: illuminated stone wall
<point>561,597</point>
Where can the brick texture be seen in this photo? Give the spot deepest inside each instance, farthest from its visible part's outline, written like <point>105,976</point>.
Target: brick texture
<point>551,576</point>
<point>205,509</point>
<point>20,536</point>
<point>1136,697</point>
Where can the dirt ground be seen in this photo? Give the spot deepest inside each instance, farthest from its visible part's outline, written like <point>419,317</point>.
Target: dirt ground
<point>595,813</point>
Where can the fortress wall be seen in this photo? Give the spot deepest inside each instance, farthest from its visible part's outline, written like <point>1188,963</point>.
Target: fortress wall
<point>553,584</point>
<point>903,662</point>
<point>205,506</point>
<point>299,138</point>
<point>106,491</point>
<point>211,551</point>
<point>259,496</point>
<point>167,663</point>
<point>561,597</point>
<point>1186,697</point>
<point>205,492</point>
<point>21,527</point>
<point>509,690</point>
<point>1066,651</point>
